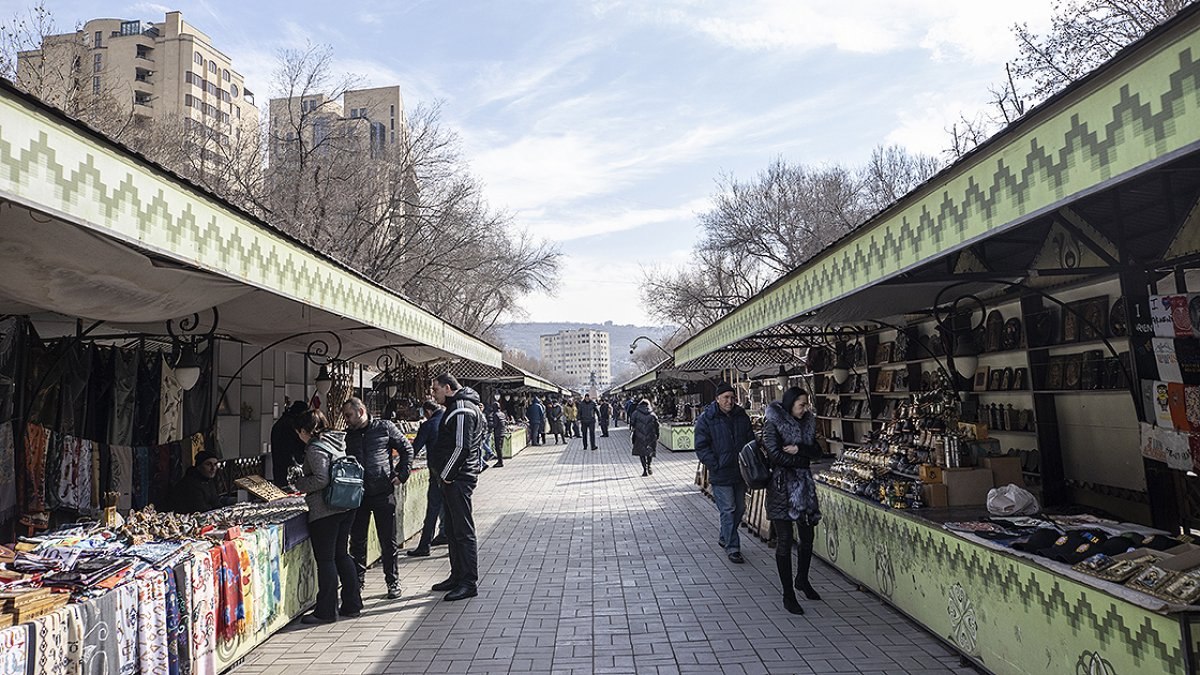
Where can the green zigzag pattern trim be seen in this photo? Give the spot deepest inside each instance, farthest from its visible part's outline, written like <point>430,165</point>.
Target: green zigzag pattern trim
<point>1126,135</point>
<point>165,214</point>
<point>925,548</point>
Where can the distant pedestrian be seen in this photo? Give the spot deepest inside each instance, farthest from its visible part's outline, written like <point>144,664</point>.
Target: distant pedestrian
<point>587,420</point>
<point>386,457</point>
<point>605,414</point>
<point>789,437</point>
<point>497,423</point>
<point>457,460</point>
<point>720,432</point>
<point>427,435</point>
<point>571,415</point>
<point>537,422</point>
<point>629,407</point>
<point>644,427</point>
<point>328,526</point>
<point>554,415</point>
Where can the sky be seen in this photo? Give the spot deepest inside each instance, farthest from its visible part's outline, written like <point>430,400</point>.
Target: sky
<point>604,125</point>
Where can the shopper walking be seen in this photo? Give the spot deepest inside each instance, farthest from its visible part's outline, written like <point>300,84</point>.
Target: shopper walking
<point>456,459</point>
<point>554,415</point>
<point>372,441</point>
<point>497,422</point>
<point>536,413</point>
<point>789,438</point>
<point>427,435</point>
<point>587,420</point>
<point>328,526</point>
<point>571,414</point>
<point>721,431</point>
<point>644,426</point>
<point>605,414</point>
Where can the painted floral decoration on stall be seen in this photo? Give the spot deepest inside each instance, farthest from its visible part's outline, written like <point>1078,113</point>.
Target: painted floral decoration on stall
<point>963,626</point>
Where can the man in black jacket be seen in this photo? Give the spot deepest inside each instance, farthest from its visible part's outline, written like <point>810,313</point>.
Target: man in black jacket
<point>427,436</point>
<point>371,441</point>
<point>455,460</point>
<point>587,420</point>
<point>721,431</point>
<point>197,492</point>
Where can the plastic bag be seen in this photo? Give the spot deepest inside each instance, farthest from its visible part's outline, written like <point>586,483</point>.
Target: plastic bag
<point>1011,500</point>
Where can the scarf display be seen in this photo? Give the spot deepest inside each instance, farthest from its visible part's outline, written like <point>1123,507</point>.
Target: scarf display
<point>152,624</point>
<point>74,490</point>
<point>170,418</point>
<point>99,650</point>
<point>173,620</point>
<point>246,576</point>
<point>121,476</point>
<point>230,619</point>
<point>127,630</point>
<point>141,477</point>
<point>202,581</point>
<point>14,650</point>
<point>37,444</point>
<point>182,588</point>
<point>52,635</point>
<point>8,477</point>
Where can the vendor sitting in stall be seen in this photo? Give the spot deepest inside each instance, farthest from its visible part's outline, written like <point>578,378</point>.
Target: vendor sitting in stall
<point>197,490</point>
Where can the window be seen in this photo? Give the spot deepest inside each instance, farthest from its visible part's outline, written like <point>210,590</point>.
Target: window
<point>96,41</point>
<point>233,89</point>
<point>198,59</point>
<point>97,66</point>
<point>238,111</point>
<point>225,75</point>
<point>95,85</point>
<point>393,125</point>
<point>212,66</point>
<point>189,101</point>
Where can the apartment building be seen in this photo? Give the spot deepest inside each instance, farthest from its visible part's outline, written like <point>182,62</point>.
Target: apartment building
<point>372,118</point>
<point>168,70</point>
<point>581,354</point>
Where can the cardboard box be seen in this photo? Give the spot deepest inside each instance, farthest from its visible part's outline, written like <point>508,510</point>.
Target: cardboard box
<point>930,474</point>
<point>967,487</point>
<point>935,496</point>
<point>1005,470</point>
<point>974,430</point>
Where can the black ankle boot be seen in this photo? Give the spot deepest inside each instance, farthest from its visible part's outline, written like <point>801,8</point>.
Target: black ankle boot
<point>791,604</point>
<point>803,562</point>
<point>783,564</point>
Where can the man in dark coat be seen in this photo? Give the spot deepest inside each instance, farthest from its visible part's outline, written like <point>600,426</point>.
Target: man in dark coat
<point>605,412</point>
<point>197,490</point>
<point>287,450</point>
<point>721,431</point>
<point>587,420</point>
<point>497,423</point>
<point>536,413</point>
<point>427,435</point>
<point>456,460</point>
<point>372,441</point>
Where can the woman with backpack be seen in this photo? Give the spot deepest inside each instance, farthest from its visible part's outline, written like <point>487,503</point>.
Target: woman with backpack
<point>790,441</point>
<point>643,424</point>
<point>330,517</point>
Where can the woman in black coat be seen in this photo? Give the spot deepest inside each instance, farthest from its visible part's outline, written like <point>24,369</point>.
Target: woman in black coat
<point>789,438</point>
<point>644,425</point>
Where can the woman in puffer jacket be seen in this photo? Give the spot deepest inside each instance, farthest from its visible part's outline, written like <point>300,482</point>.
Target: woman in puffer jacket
<point>789,438</point>
<point>643,424</point>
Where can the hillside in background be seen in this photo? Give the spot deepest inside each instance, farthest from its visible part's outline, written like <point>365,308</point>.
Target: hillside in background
<point>525,337</point>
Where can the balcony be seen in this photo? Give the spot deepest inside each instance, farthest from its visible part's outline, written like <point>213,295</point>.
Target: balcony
<point>145,53</point>
<point>143,75</point>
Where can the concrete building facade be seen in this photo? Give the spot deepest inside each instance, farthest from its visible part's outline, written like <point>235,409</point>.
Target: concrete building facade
<point>370,118</point>
<point>580,354</point>
<point>168,71</point>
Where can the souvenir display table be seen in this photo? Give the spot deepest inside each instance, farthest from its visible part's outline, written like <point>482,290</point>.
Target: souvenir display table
<point>516,439</point>
<point>677,436</point>
<point>158,593</point>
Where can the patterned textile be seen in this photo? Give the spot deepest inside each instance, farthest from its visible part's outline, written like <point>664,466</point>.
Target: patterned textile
<point>14,650</point>
<point>270,562</point>
<point>183,634</point>
<point>141,477</point>
<point>170,418</point>
<point>100,654</point>
<point>249,578</point>
<point>122,475</point>
<point>8,478</point>
<point>54,452</point>
<point>74,490</point>
<point>175,626</point>
<point>152,624</point>
<point>127,630</point>
<point>37,443</point>
<point>160,475</point>
<point>52,635</point>
<point>232,616</point>
<point>202,580</point>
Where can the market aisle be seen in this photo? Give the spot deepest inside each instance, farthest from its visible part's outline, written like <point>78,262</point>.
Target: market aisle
<point>588,567</point>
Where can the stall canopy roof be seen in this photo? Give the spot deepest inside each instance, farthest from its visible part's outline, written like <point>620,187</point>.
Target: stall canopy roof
<point>754,358</point>
<point>1104,174</point>
<point>90,229</point>
<point>506,374</point>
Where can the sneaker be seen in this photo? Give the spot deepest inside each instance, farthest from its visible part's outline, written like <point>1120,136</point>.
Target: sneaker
<point>394,591</point>
<point>736,557</point>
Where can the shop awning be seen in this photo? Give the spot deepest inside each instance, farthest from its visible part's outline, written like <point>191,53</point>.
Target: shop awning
<point>1135,114</point>
<point>90,229</point>
<point>506,374</point>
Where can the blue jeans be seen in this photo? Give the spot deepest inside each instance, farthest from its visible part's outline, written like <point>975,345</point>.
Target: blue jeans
<point>731,503</point>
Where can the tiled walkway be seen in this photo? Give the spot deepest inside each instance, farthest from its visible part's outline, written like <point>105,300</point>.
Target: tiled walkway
<point>589,568</point>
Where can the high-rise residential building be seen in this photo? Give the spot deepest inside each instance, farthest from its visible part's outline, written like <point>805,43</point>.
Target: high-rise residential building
<point>582,355</point>
<point>167,71</point>
<point>372,118</point>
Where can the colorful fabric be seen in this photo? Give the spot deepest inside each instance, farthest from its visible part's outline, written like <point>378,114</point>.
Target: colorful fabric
<point>202,580</point>
<point>14,650</point>
<point>8,477</point>
<point>74,489</point>
<point>232,616</point>
<point>183,635</point>
<point>127,630</point>
<point>249,579</point>
<point>121,476</point>
<point>175,633</point>
<point>52,635</point>
<point>152,624</point>
<point>37,444</point>
<point>99,648</point>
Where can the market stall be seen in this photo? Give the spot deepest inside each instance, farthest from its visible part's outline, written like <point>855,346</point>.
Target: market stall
<point>1021,321</point>
<point>120,280</point>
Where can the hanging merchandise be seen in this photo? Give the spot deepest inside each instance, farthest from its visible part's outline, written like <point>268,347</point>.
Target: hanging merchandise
<point>8,475</point>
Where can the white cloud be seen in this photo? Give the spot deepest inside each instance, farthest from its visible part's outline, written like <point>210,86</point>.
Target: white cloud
<point>604,221</point>
<point>592,289</point>
<point>152,10</point>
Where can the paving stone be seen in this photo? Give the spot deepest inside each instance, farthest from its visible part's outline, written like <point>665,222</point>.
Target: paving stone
<point>587,567</point>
